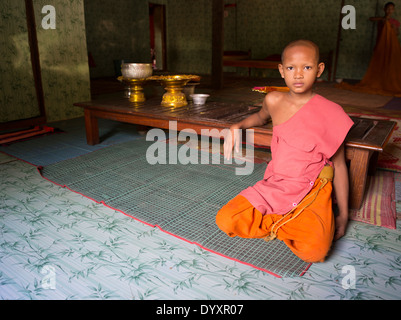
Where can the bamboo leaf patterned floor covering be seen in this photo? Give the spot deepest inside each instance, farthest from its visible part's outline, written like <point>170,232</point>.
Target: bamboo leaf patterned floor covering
<point>95,252</point>
<point>181,200</point>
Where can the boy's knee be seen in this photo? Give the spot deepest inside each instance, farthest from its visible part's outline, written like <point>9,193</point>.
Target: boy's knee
<point>224,220</point>
<point>220,218</point>
<point>312,252</point>
<point>239,218</point>
<point>314,255</point>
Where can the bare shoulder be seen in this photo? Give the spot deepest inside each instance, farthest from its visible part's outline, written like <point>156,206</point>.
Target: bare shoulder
<point>273,100</point>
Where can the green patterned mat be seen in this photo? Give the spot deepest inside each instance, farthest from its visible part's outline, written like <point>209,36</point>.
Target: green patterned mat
<point>181,200</point>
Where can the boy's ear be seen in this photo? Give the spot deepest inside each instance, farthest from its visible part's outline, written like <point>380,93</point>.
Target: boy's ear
<point>280,68</point>
<point>320,69</point>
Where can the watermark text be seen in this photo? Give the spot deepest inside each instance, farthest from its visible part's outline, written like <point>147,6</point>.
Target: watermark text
<point>161,152</point>
<point>349,20</point>
<point>49,20</point>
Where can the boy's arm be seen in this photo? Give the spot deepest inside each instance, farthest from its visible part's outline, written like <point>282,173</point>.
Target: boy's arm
<point>341,189</point>
<point>232,137</point>
<point>257,119</point>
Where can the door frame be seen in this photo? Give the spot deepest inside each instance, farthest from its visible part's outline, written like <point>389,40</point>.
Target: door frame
<point>163,31</point>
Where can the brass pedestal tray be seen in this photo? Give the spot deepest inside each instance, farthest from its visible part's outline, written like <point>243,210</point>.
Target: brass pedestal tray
<point>136,85</point>
<point>174,84</point>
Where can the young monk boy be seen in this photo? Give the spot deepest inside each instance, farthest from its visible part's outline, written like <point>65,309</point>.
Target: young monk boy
<point>293,201</point>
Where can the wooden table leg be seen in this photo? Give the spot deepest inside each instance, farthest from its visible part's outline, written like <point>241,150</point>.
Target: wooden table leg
<point>358,174</point>
<point>92,128</point>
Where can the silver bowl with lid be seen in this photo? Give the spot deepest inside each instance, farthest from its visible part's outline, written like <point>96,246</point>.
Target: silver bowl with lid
<point>136,70</point>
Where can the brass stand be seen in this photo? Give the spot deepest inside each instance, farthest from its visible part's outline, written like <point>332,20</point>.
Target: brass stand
<point>174,97</point>
<point>136,85</point>
<point>174,85</point>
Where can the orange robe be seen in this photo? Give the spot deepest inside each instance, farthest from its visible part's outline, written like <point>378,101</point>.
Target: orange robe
<point>384,72</point>
<point>307,230</point>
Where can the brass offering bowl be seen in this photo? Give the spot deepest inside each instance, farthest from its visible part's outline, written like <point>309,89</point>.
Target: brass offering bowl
<point>174,84</point>
<point>136,85</point>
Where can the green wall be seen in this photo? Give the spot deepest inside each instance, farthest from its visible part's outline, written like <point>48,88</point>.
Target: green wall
<point>266,27</point>
<point>189,34</point>
<point>263,26</point>
<point>17,88</point>
<point>63,60</point>
<point>116,30</point>
<point>122,32</point>
<point>113,30</point>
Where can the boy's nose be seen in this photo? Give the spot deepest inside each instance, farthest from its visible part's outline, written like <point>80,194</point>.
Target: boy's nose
<point>298,74</point>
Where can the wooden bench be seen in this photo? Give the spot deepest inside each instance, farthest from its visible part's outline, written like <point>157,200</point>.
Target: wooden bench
<point>364,142</point>
<point>242,59</point>
<point>236,55</point>
<point>263,64</point>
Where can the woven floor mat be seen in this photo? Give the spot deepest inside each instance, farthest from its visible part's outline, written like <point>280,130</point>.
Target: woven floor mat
<point>379,206</point>
<point>181,200</point>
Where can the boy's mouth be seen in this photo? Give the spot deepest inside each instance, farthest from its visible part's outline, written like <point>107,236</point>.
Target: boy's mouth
<point>298,84</point>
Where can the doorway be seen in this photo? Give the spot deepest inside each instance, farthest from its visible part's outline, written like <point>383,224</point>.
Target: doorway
<point>157,27</point>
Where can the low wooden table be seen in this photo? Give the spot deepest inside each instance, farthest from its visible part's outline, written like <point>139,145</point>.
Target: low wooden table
<point>365,140</point>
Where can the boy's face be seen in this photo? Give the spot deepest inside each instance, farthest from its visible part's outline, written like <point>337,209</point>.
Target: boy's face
<point>300,68</point>
<point>389,10</point>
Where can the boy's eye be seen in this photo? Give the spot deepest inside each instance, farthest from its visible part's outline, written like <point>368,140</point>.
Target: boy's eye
<point>308,67</point>
<point>290,68</point>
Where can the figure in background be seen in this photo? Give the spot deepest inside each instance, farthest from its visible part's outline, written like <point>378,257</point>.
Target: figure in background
<point>384,72</point>
<point>389,9</point>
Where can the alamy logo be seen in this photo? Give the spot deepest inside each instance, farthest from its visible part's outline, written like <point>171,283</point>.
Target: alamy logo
<point>349,20</point>
<point>161,152</point>
<point>49,20</point>
<point>49,280</point>
<point>349,280</point>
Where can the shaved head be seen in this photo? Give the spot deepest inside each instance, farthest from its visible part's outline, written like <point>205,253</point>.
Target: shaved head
<point>304,43</point>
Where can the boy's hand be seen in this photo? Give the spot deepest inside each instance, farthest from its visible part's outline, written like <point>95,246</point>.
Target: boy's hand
<point>231,140</point>
<point>341,226</point>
